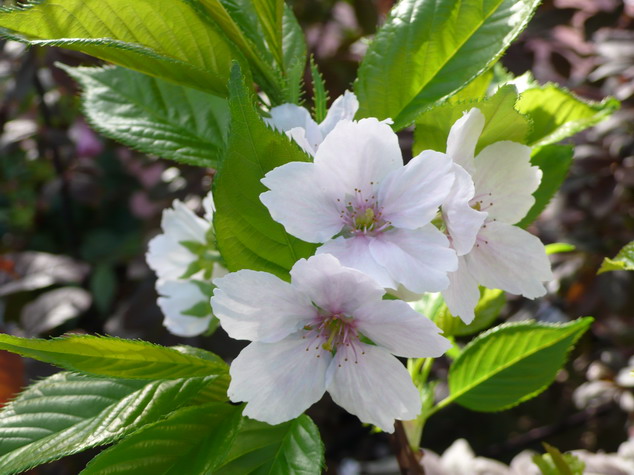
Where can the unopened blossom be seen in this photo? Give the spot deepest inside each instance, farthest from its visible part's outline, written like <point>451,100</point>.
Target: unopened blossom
<point>367,208</point>
<point>298,124</point>
<point>492,192</point>
<point>311,335</point>
<point>171,256</point>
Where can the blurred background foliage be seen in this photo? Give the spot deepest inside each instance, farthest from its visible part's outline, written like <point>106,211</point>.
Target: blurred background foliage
<point>77,211</point>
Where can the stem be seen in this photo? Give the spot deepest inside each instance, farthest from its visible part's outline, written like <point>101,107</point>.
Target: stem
<point>408,457</point>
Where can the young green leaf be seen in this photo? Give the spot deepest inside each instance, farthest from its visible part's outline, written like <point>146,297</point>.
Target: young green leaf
<point>511,363</point>
<point>247,236</point>
<point>154,116</point>
<point>270,14</point>
<point>557,113</point>
<point>293,447</point>
<point>430,49</point>
<point>164,38</point>
<point>624,260</point>
<point>67,413</point>
<point>320,94</point>
<point>115,357</point>
<point>191,440</point>
<point>295,54</point>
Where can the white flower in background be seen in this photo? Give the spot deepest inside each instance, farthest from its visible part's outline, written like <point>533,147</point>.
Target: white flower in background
<point>369,210</point>
<point>307,339</point>
<point>300,126</point>
<point>171,255</point>
<point>492,192</point>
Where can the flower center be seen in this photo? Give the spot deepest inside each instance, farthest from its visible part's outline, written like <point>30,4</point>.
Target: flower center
<point>361,214</point>
<point>331,331</point>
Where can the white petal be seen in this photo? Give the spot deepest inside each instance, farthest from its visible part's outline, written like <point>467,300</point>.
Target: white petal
<point>373,385</point>
<point>343,108</point>
<point>509,258</point>
<point>259,306</point>
<point>290,116</point>
<point>357,154</point>
<point>300,201</point>
<point>332,286</point>
<point>181,224</point>
<point>419,259</point>
<point>298,134</point>
<point>168,258</point>
<point>279,380</point>
<point>463,293</point>
<point>463,138</point>
<point>178,296</point>
<point>462,221</point>
<point>209,207</point>
<point>505,181</point>
<point>355,252</point>
<point>410,196</point>
<point>394,325</point>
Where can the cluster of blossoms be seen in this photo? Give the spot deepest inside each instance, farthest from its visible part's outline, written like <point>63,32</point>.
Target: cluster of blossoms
<point>444,222</point>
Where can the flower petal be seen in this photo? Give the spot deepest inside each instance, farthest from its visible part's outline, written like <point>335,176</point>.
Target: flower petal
<point>462,221</point>
<point>279,380</point>
<point>298,134</point>
<point>396,326</point>
<point>332,286</point>
<point>505,181</point>
<point>355,252</point>
<point>509,258</point>
<point>176,297</point>
<point>182,224</point>
<point>373,385</point>
<point>209,207</point>
<point>419,259</point>
<point>259,306</point>
<point>168,258</point>
<point>343,108</point>
<point>290,116</point>
<point>410,196</point>
<point>298,199</point>
<point>463,138</point>
<point>358,155</point>
<point>463,293</point>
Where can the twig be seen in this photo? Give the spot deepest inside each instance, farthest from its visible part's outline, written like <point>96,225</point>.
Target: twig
<point>409,460</point>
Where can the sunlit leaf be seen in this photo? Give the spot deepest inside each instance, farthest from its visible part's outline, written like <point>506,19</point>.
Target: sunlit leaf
<point>624,260</point>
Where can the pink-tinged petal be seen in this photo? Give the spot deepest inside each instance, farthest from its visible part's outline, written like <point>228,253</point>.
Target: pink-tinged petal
<point>299,200</point>
<point>168,258</point>
<point>299,136</point>
<point>370,383</point>
<point>355,252</point>
<point>505,181</point>
<point>462,221</point>
<point>343,108</point>
<point>358,155</point>
<point>463,138</point>
<point>332,286</point>
<point>396,326</point>
<point>181,224</point>
<point>419,259</point>
<point>279,380</point>
<point>176,297</point>
<point>258,306</point>
<point>290,116</point>
<point>509,258</point>
<point>410,196</point>
<point>463,293</point>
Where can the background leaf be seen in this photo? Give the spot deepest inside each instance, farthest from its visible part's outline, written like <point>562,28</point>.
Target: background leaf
<point>270,13</point>
<point>511,363</point>
<point>53,308</point>
<point>247,236</point>
<point>154,116</point>
<point>624,260</point>
<point>430,49</point>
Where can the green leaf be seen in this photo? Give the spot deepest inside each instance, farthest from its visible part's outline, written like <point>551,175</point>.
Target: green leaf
<point>624,260</point>
<point>67,413</point>
<point>320,94</point>
<point>168,39</point>
<point>476,90</point>
<point>191,440</point>
<point>559,247</point>
<point>247,236</point>
<point>511,363</point>
<point>557,113</point>
<point>502,122</point>
<point>114,357</point>
<point>293,447</point>
<point>554,162</point>
<point>295,53</point>
<point>556,463</point>
<point>270,13</point>
<point>103,286</point>
<point>154,116</point>
<point>430,49</point>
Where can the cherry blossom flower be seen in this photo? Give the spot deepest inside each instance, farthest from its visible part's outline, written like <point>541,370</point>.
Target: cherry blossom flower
<point>311,336</point>
<point>492,192</point>
<point>367,209</point>
<point>300,126</point>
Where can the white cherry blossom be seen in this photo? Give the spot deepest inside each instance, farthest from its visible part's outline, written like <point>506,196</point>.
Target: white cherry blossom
<point>367,208</point>
<point>307,339</point>
<point>492,192</point>
<point>298,124</point>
